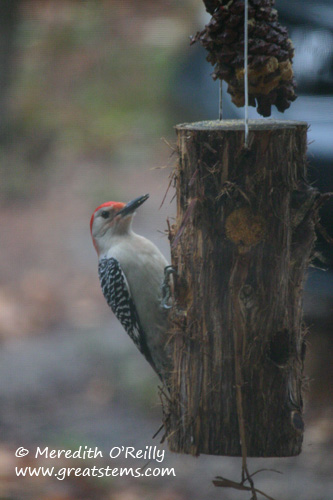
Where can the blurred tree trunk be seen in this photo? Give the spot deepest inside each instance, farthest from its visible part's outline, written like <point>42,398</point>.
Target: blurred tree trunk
<point>8,21</point>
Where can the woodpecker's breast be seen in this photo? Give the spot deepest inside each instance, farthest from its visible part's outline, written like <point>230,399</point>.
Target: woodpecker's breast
<point>143,266</point>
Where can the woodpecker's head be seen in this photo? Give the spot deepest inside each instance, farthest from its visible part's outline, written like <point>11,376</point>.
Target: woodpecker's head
<point>111,219</point>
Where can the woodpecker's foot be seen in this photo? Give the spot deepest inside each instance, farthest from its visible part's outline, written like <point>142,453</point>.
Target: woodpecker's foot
<point>166,290</point>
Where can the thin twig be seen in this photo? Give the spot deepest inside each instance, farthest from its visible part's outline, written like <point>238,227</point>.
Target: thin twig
<point>158,431</point>
<point>146,465</point>
<point>173,148</point>
<point>227,483</point>
<point>321,200</point>
<point>240,272</point>
<point>167,190</point>
<point>323,231</point>
<point>186,217</point>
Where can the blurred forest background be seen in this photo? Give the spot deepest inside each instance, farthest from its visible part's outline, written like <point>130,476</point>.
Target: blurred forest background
<point>89,94</point>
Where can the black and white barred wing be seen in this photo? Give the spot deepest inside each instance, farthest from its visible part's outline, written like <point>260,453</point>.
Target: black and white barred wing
<point>117,294</point>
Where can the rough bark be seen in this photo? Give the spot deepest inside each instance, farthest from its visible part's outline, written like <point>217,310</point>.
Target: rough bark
<point>241,245</point>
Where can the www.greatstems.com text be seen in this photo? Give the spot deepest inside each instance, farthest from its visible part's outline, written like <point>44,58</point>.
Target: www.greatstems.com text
<point>150,453</point>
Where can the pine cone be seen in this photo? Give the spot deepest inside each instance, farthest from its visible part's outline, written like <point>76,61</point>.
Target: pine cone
<point>211,5</point>
<point>270,73</point>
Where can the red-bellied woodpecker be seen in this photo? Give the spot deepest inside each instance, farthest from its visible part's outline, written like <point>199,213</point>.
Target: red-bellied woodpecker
<point>134,279</point>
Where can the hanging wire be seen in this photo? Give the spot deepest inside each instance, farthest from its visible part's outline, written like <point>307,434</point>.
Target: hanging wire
<point>220,100</point>
<point>246,83</point>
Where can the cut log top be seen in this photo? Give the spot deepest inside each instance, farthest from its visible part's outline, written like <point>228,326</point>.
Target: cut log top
<point>239,125</point>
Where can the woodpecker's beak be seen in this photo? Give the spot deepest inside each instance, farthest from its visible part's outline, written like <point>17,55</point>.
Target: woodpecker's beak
<point>131,206</point>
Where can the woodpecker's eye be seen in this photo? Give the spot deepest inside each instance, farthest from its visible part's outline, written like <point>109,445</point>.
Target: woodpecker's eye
<point>105,214</point>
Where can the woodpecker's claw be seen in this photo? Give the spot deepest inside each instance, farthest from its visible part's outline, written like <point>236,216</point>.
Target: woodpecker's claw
<point>166,291</point>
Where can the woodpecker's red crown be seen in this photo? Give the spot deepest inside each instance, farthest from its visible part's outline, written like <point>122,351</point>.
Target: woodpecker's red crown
<point>112,219</point>
<point>115,205</point>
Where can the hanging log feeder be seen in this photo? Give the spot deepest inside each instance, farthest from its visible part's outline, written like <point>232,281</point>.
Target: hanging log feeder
<point>240,246</point>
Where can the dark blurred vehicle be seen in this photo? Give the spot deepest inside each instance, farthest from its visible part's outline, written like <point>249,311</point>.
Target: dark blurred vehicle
<point>310,26</point>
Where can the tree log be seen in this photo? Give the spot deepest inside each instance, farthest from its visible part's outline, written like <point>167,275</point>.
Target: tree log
<point>240,246</point>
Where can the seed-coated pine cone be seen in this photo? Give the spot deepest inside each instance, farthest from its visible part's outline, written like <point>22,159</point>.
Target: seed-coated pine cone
<point>270,53</point>
<point>211,5</point>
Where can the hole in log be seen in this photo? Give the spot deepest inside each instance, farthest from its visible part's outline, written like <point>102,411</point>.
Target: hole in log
<point>247,296</point>
<point>297,421</point>
<point>279,348</point>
